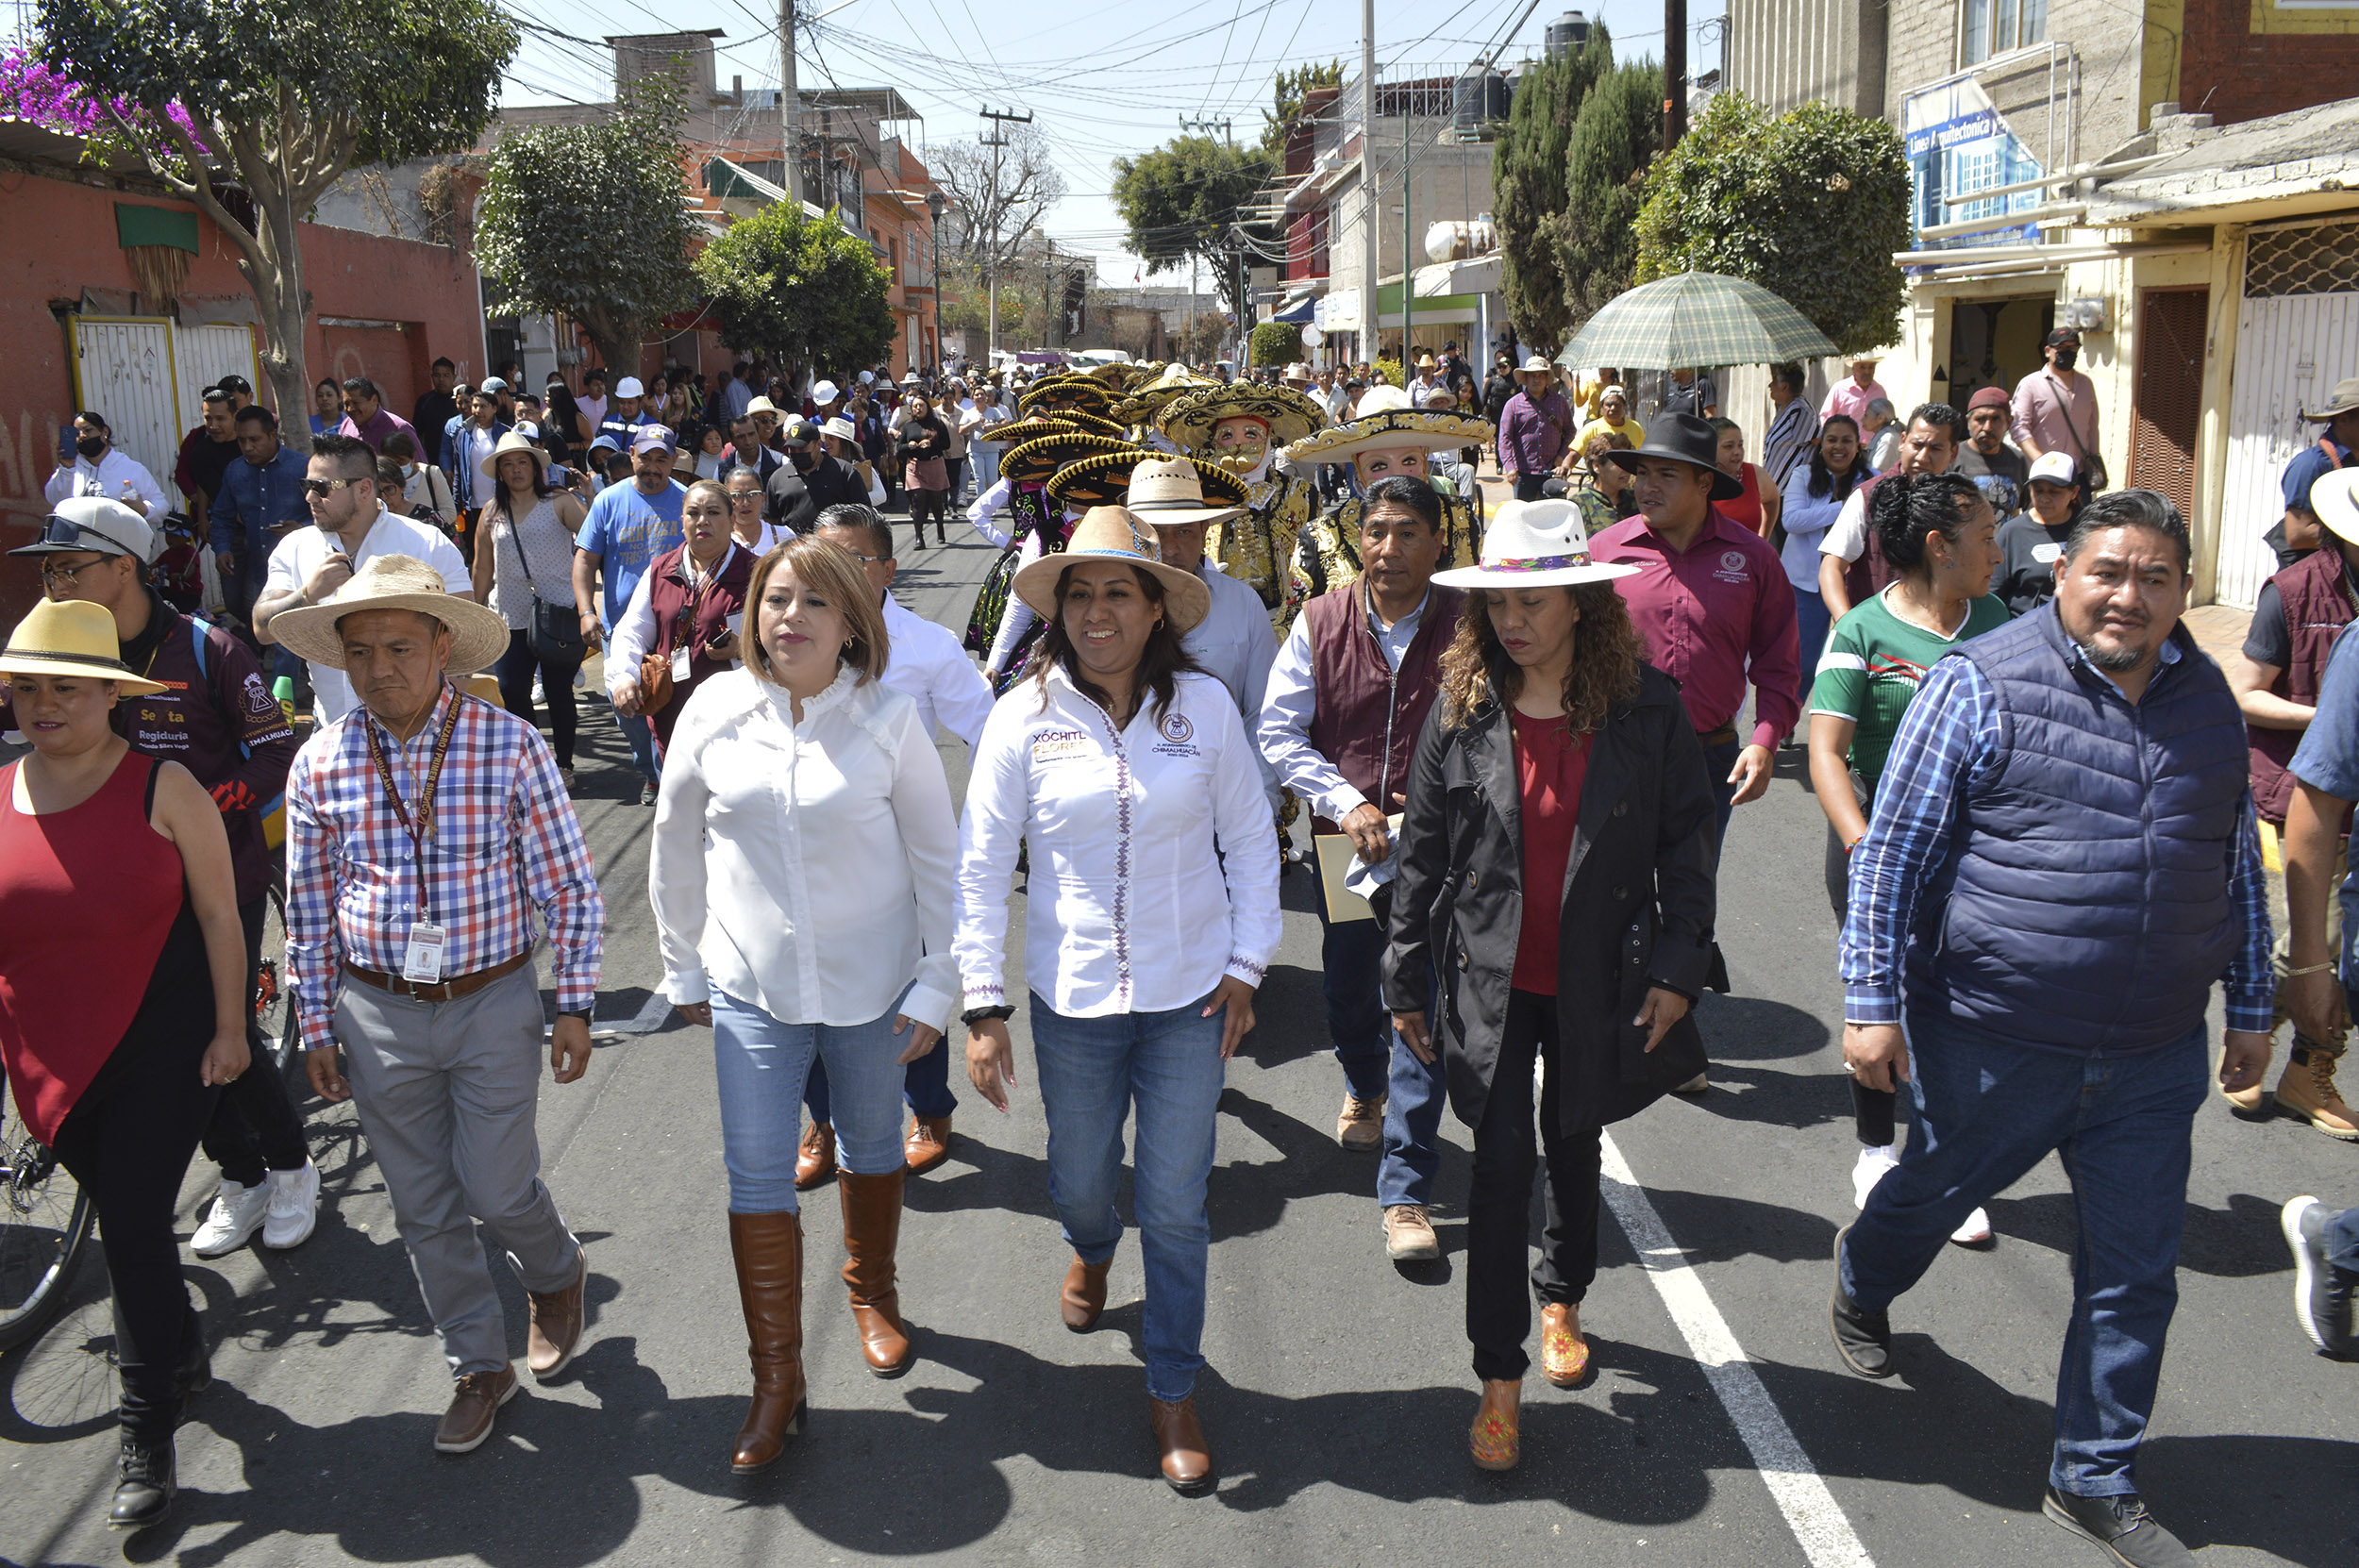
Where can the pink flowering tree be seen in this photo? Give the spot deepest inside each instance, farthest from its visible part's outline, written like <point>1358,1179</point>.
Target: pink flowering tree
<point>316,90</point>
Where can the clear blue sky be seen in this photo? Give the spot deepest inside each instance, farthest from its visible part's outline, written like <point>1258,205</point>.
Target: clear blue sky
<point>1098,84</point>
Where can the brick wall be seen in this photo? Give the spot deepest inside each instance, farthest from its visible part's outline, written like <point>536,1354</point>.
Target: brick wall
<point>2244,60</point>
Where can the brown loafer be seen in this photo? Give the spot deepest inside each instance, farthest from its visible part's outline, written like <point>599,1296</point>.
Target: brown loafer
<point>1187,1459</point>
<point>929,1144</point>
<point>557,1318</point>
<point>473,1405</point>
<point>1563,1354</point>
<point>1084,1293</point>
<point>815,1161</point>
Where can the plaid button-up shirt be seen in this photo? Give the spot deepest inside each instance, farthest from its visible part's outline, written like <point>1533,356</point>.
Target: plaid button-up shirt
<point>504,842</point>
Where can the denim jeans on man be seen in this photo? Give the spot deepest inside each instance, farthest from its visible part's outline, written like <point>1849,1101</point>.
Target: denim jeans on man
<point>1093,1072</point>
<point>925,1083</point>
<point>1377,1062</point>
<point>1990,1111</point>
<point>761,1063</point>
<point>640,734</point>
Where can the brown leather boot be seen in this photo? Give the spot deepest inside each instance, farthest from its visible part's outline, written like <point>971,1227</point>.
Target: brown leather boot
<point>1084,1293</point>
<point>1187,1457</point>
<point>872,1230</point>
<point>769,1253</point>
<point>815,1161</point>
<point>2307,1088</point>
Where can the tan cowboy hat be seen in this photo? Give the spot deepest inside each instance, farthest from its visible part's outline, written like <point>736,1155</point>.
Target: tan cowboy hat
<point>512,441</point>
<point>1385,419</point>
<point>763,406</point>
<point>1425,361</point>
<point>1537,365</point>
<point>1114,533</point>
<point>842,430</point>
<point>1289,415</point>
<point>2336,500</point>
<point>1161,489</point>
<point>72,638</point>
<point>1533,544</point>
<point>478,634</point>
<point>2342,400</point>
<point>1296,373</point>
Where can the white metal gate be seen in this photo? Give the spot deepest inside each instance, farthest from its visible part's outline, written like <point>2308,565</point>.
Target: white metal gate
<point>123,372</point>
<point>202,356</point>
<point>2296,335</point>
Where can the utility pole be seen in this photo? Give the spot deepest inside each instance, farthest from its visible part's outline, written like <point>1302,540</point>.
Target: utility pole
<point>996,140</point>
<point>1408,270</point>
<point>1367,181</point>
<point>1674,72</point>
<point>790,122</point>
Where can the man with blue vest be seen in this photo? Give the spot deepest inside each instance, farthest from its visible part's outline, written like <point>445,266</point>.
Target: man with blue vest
<point>2062,862</point>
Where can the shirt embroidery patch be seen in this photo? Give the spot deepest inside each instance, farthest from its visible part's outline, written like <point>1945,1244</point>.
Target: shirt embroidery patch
<point>1050,744</point>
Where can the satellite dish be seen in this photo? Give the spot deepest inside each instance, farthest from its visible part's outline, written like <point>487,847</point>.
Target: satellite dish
<point>1312,337</point>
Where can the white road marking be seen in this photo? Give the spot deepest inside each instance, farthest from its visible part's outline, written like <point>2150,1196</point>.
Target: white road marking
<point>646,1021</point>
<point>1810,1511</point>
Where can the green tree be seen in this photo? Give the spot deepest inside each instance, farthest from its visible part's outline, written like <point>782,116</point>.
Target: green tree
<point>1274,343</point>
<point>1183,199</point>
<point>278,103</point>
<point>1809,205</point>
<point>797,289</point>
<point>1288,93</point>
<point>1616,137</point>
<point>592,221</point>
<point>1527,185</point>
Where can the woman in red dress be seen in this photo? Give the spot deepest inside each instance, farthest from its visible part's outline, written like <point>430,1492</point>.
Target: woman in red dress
<point>116,865</point>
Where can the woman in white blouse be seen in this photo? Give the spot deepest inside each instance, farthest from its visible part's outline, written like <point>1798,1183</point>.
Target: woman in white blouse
<point>1148,922</point>
<point>801,877</point>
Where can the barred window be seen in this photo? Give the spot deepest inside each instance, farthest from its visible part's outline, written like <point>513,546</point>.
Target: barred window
<point>2302,258</point>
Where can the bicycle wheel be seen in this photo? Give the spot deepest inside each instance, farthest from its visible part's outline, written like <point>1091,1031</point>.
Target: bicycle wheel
<point>274,1008</point>
<point>44,1221</point>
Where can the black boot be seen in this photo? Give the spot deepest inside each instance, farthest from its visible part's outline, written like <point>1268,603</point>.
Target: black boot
<point>144,1494</point>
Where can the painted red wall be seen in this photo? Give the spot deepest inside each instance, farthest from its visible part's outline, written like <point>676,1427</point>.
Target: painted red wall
<point>430,290</point>
<point>2233,73</point>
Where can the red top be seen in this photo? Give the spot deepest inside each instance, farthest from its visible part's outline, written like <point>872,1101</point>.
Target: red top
<point>87,897</point>
<point>1550,764</point>
<point>1713,617</point>
<point>1746,509</point>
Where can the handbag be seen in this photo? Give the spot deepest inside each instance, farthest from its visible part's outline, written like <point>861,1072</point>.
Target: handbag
<point>2090,470</point>
<point>554,634</point>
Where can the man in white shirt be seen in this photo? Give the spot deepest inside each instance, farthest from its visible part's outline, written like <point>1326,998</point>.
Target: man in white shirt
<point>98,469</point>
<point>1930,447</point>
<point>349,527</point>
<point>926,661</point>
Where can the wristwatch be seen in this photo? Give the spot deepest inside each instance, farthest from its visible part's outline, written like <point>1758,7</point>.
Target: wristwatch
<point>973,1016</point>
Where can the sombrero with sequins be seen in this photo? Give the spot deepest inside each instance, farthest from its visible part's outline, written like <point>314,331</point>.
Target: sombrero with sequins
<point>1290,415</point>
<point>1039,459</point>
<point>1384,418</point>
<point>1107,478</point>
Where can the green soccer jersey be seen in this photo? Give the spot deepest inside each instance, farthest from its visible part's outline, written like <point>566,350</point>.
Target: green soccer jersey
<point>1873,665</point>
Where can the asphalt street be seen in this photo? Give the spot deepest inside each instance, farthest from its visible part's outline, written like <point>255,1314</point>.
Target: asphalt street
<point>1717,1427</point>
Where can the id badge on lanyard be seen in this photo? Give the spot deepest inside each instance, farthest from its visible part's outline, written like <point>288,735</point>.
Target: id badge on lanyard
<point>422,958</point>
<point>422,961</point>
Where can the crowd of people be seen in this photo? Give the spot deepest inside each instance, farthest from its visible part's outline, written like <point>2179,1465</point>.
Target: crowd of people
<point>1521,731</point>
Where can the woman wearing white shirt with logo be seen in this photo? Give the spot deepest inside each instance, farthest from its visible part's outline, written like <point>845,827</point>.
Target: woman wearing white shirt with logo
<point>802,877</point>
<point>1150,921</point>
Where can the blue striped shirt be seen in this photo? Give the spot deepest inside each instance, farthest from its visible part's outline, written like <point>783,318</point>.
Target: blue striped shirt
<point>1948,738</point>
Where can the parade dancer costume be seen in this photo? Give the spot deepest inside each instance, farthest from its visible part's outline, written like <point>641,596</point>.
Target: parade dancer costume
<point>1241,428</point>
<point>1326,553</point>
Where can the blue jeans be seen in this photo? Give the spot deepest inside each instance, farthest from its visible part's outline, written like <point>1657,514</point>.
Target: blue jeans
<point>1351,978</point>
<point>1811,621</point>
<point>1414,1098</point>
<point>1092,1070</point>
<point>925,1083</point>
<point>1988,1111</point>
<point>761,1063</point>
<point>641,735</point>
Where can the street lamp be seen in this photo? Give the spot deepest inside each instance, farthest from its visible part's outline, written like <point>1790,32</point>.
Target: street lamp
<point>935,202</point>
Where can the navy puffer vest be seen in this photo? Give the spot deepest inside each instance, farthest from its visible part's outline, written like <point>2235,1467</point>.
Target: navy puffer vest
<point>2084,905</point>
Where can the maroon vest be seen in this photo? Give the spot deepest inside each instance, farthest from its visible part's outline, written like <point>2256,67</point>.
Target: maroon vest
<point>681,618</point>
<point>2318,607</point>
<point>1367,715</point>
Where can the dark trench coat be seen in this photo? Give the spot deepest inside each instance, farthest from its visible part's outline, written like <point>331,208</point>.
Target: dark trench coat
<point>1637,903</point>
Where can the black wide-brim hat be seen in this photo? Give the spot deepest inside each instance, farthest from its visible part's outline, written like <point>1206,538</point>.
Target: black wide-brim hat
<point>1105,480</point>
<point>1683,437</point>
<point>1037,459</point>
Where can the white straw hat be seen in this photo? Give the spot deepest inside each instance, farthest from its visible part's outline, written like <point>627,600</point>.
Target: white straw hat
<point>478,633</point>
<point>1534,545</point>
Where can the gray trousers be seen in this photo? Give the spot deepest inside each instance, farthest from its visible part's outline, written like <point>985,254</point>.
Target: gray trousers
<point>447,1092</point>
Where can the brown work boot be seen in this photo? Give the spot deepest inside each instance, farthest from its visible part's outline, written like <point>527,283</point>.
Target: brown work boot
<point>815,1161</point>
<point>1084,1293</point>
<point>768,1251</point>
<point>472,1404</point>
<point>557,1318</point>
<point>1409,1234</point>
<point>1361,1126</point>
<point>2253,1105</point>
<point>1187,1459</point>
<point>871,1230</point>
<point>928,1144</point>
<point>2307,1088</point>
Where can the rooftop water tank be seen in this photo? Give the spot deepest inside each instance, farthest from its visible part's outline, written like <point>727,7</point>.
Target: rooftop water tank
<point>1568,33</point>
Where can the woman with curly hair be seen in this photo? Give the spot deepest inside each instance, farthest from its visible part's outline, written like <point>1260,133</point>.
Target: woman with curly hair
<point>1555,878</point>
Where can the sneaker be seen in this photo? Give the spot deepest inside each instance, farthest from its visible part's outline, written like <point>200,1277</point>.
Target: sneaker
<point>237,1214</point>
<point>2323,1293</point>
<point>2121,1525</point>
<point>1700,1084</point>
<point>294,1207</point>
<point>1975,1232</point>
<point>1874,1160</point>
<point>1409,1234</point>
<point>1861,1337</point>
<point>1361,1125</point>
<point>646,795</point>
<point>473,1402</point>
<point>2307,1088</point>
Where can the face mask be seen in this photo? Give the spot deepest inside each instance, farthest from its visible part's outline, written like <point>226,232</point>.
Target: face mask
<point>91,446</point>
<point>2067,358</point>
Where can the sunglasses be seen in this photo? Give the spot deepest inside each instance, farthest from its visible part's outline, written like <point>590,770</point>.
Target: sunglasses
<point>744,498</point>
<point>65,532</point>
<point>324,488</point>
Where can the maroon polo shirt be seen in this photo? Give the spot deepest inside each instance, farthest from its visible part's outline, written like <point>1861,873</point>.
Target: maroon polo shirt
<point>1712,617</point>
